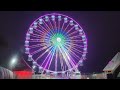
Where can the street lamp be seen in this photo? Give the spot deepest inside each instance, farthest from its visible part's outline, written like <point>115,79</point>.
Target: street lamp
<point>13,61</point>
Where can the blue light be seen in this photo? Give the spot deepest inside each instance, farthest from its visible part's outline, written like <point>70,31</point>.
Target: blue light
<point>35,23</point>
<point>76,27</point>
<point>40,67</point>
<point>53,17</point>
<point>27,50</point>
<point>26,43</point>
<point>34,63</point>
<point>40,21</point>
<point>27,36</point>
<point>35,26</point>
<point>80,30</point>
<point>59,18</point>
<point>33,66</point>
<point>71,22</point>
<point>65,20</point>
<point>29,57</point>
<point>81,33</point>
<point>84,55</point>
<point>31,30</point>
<point>46,18</point>
<point>83,36</point>
<point>85,42</point>
<point>85,49</point>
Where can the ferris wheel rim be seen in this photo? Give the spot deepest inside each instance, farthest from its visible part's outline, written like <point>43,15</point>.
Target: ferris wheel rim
<point>64,16</point>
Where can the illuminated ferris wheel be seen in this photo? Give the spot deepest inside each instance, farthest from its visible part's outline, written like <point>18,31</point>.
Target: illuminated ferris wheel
<point>55,43</point>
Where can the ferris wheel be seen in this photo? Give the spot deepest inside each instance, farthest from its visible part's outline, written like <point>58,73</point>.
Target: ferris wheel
<point>55,43</point>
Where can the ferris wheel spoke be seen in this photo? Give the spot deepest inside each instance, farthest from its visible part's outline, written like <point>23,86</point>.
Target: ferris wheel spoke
<point>69,57</point>
<point>50,24</point>
<point>76,50</point>
<point>72,63</point>
<point>47,57</point>
<point>56,59</point>
<point>38,36</point>
<point>39,31</point>
<point>48,49</point>
<point>69,34</point>
<point>61,61</point>
<point>74,45</point>
<point>46,25</point>
<point>37,45</point>
<point>62,26</point>
<point>45,47</point>
<point>69,30</point>
<point>78,47</point>
<point>36,40</point>
<point>46,63</point>
<point>73,41</point>
<point>53,53</point>
<point>75,37</point>
<point>48,60</point>
<point>44,32</point>
<point>35,35</point>
<point>42,28</point>
<point>54,22</point>
<point>58,24</point>
<point>65,58</point>
<point>52,28</point>
<point>73,53</point>
<point>66,27</point>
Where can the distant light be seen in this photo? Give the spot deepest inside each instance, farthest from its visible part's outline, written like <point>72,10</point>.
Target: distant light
<point>35,23</point>
<point>53,16</point>
<point>59,18</point>
<point>40,21</point>
<point>65,20</point>
<point>88,78</point>
<point>71,22</point>
<point>81,61</point>
<point>14,60</point>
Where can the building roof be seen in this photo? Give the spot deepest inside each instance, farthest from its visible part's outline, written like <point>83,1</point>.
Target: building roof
<point>113,64</point>
<point>6,74</point>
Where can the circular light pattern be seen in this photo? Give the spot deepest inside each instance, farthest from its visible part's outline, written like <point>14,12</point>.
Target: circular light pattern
<point>58,39</point>
<point>55,43</point>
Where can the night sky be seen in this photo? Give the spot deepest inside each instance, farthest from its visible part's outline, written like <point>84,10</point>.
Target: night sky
<point>102,29</point>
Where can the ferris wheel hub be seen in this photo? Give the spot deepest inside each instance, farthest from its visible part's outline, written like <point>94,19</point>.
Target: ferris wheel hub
<point>58,39</point>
